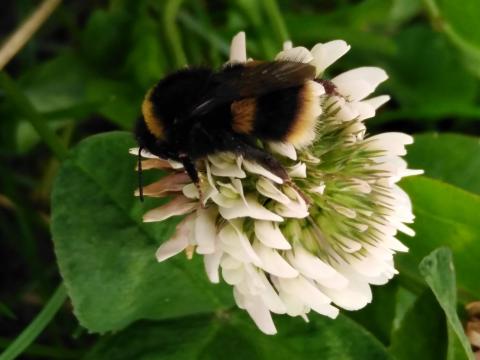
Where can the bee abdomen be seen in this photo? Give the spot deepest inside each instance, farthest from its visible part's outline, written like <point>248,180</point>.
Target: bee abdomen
<point>244,113</point>
<point>286,115</point>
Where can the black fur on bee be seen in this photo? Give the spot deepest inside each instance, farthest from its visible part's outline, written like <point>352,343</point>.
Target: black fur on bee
<point>195,112</point>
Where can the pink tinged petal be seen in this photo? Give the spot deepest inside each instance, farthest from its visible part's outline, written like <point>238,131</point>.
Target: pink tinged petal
<point>273,262</point>
<point>205,230</point>
<point>237,245</point>
<point>326,54</point>
<point>178,242</point>
<point>270,235</point>
<point>179,205</point>
<point>154,164</point>
<point>170,183</point>
<point>255,168</point>
<point>284,149</point>
<point>358,83</point>
<point>377,101</point>
<point>253,210</point>
<point>297,54</point>
<point>238,48</point>
<point>298,170</point>
<point>266,188</point>
<point>211,263</point>
<point>260,314</point>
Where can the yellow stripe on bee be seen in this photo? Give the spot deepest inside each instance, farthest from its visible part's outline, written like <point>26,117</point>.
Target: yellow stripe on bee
<point>243,113</point>
<point>154,124</point>
<point>302,131</point>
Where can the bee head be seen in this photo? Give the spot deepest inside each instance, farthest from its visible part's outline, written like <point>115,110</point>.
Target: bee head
<point>149,141</point>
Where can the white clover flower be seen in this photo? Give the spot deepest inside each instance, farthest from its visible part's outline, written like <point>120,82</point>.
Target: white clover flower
<point>280,253</point>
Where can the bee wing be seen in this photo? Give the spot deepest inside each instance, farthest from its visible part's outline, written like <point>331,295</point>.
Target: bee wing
<point>254,79</point>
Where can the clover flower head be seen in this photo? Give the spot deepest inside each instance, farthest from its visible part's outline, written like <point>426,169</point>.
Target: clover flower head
<point>316,243</point>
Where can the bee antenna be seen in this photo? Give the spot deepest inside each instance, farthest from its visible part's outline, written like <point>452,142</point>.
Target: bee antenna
<point>140,178</point>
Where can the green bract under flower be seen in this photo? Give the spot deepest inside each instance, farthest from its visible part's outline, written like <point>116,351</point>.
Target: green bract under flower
<point>317,243</point>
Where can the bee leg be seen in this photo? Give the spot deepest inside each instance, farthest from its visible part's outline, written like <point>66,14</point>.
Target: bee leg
<point>329,86</point>
<point>264,158</point>
<point>192,172</point>
<point>267,160</point>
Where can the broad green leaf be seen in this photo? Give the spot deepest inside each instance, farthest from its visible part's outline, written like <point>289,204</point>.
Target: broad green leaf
<point>56,84</point>
<point>445,216</point>
<point>234,336</point>
<point>459,21</point>
<point>105,38</point>
<point>422,333</point>
<point>427,78</point>
<point>403,303</point>
<point>439,273</point>
<point>377,317</point>
<point>452,158</point>
<point>107,255</point>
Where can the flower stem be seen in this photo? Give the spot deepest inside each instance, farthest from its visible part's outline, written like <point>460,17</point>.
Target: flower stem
<point>23,104</point>
<point>171,31</point>
<point>278,24</point>
<point>21,36</point>
<point>34,329</point>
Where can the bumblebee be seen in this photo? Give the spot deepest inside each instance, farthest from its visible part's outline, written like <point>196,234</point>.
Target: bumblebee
<point>195,112</point>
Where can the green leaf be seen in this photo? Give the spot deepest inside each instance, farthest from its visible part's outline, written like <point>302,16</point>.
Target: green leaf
<point>422,333</point>
<point>459,21</point>
<point>445,216</point>
<point>234,336</point>
<point>104,38</point>
<point>377,317</point>
<point>107,255</point>
<point>452,158</point>
<point>427,78</point>
<point>439,273</point>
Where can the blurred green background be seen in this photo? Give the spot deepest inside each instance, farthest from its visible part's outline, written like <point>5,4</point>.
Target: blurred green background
<point>86,71</point>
